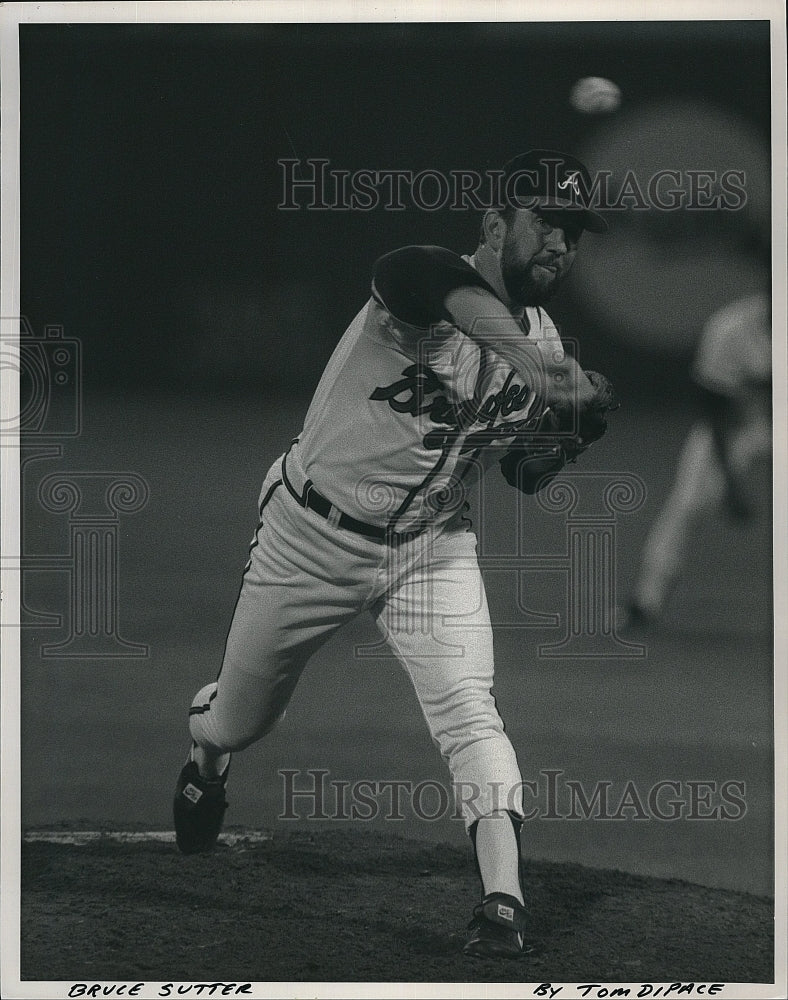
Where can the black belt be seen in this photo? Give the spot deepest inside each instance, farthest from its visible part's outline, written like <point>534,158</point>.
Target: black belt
<point>315,501</point>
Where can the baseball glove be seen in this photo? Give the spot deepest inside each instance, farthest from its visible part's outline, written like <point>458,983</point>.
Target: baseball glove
<point>536,457</point>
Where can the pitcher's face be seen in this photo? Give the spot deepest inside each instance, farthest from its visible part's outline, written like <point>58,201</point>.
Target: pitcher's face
<point>537,253</point>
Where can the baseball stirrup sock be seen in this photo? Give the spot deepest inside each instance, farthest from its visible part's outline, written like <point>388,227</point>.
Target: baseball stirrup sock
<point>210,766</point>
<point>496,844</point>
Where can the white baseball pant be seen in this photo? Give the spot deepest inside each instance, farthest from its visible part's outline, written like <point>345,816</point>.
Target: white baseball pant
<point>305,579</point>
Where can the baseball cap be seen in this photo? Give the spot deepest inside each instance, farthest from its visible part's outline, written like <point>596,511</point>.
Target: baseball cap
<point>546,178</point>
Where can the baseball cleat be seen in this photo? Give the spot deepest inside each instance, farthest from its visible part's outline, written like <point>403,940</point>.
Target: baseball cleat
<point>198,809</point>
<point>498,925</point>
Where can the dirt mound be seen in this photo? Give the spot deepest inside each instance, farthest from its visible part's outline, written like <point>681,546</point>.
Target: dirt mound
<point>356,906</point>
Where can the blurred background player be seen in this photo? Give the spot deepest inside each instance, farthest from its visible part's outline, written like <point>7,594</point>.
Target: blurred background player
<point>732,373</point>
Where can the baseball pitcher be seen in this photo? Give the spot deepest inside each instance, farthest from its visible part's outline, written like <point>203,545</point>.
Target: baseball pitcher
<point>451,367</point>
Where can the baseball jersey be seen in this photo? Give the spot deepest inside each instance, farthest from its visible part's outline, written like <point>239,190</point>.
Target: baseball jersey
<point>735,349</point>
<point>409,410</point>
<point>734,359</point>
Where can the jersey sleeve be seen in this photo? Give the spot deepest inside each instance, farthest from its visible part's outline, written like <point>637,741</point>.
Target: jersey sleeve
<point>412,283</point>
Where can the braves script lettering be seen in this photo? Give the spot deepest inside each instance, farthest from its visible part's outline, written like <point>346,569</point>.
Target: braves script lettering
<point>417,382</point>
<point>410,393</point>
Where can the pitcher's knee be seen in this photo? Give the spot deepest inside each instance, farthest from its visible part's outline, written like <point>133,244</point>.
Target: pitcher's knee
<point>470,734</point>
<point>215,727</point>
<point>210,732</point>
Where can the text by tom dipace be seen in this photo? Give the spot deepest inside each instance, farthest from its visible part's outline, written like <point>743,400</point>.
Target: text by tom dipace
<point>605,991</point>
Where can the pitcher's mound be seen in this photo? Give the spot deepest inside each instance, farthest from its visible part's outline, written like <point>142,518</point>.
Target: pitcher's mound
<point>357,906</point>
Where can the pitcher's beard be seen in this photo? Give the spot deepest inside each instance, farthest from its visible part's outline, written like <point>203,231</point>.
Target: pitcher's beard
<point>529,285</point>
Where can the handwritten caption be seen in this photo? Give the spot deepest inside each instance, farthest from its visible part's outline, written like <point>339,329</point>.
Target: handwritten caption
<point>600,991</point>
<point>164,989</point>
<point>595,991</point>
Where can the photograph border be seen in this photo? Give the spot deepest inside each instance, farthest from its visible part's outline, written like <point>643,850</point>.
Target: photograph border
<point>12,15</point>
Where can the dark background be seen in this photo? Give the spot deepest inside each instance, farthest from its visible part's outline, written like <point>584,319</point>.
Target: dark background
<point>150,231</point>
<point>150,182</point>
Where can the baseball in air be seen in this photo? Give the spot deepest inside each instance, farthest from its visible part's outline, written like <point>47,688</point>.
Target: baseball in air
<point>594,95</point>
